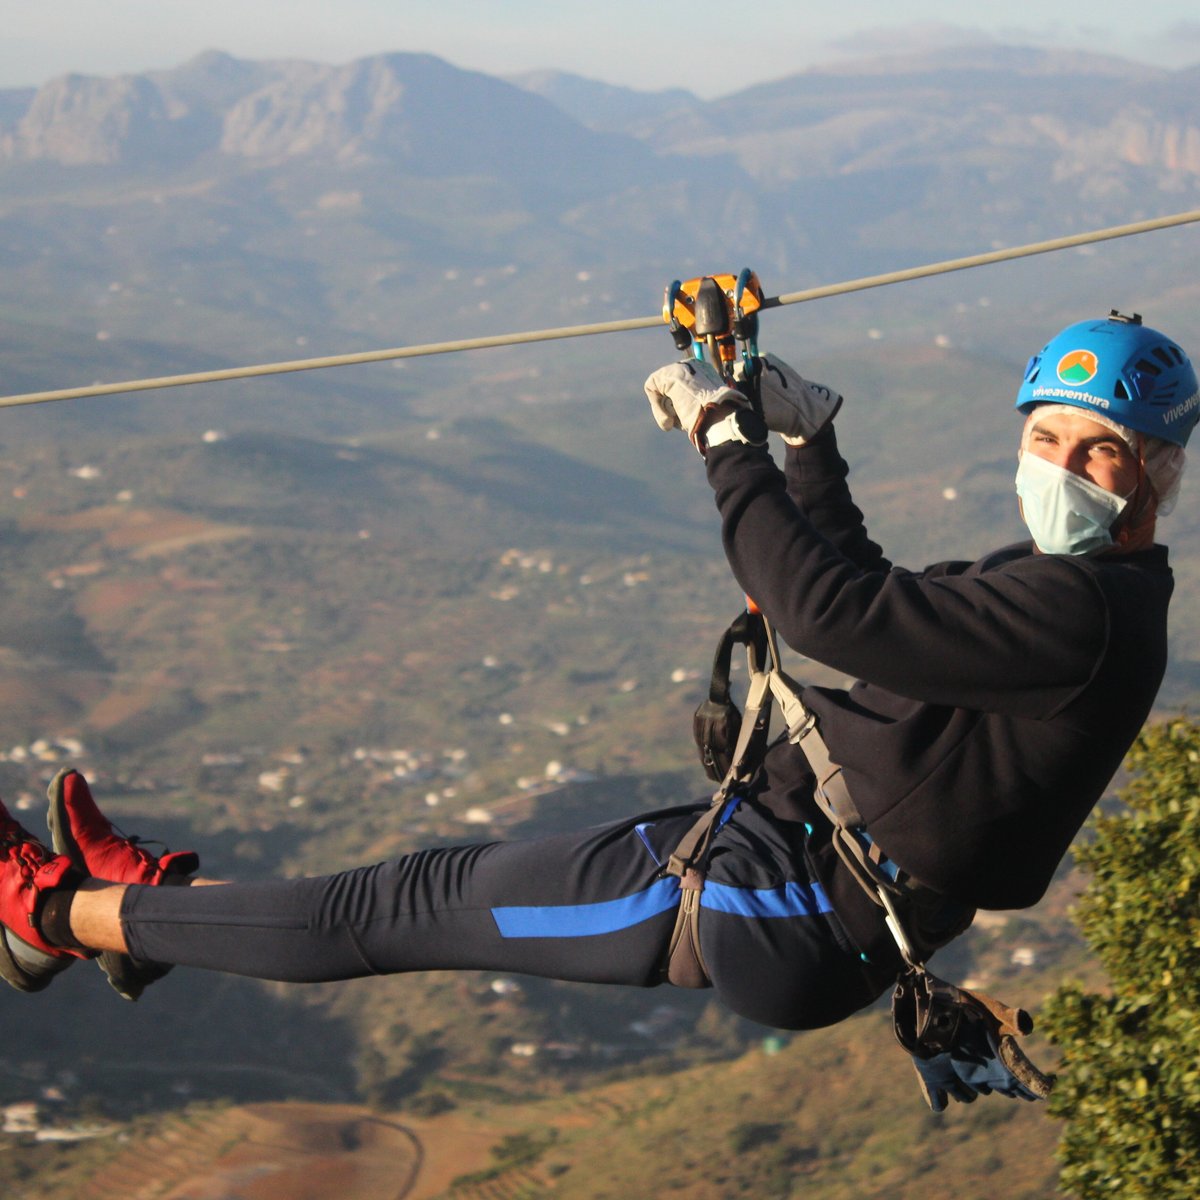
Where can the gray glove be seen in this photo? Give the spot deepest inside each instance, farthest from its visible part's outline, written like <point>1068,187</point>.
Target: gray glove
<point>791,405</point>
<point>680,392</point>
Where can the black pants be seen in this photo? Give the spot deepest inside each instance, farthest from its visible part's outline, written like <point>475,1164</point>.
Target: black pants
<point>592,906</point>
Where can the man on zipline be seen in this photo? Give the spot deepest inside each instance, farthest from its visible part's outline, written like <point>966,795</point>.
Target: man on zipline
<point>996,701</point>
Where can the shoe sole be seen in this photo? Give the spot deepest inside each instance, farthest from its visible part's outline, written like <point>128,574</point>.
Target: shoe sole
<point>12,974</point>
<point>17,976</point>
<point>127,977</point>
<point>60,824</point>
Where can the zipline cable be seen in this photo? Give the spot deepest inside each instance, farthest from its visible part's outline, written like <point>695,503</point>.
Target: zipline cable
<point>574,331</point>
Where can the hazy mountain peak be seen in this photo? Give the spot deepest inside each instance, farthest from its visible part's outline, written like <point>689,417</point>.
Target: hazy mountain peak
<point>409,107</point>
<point>213,77</point>
<point>79,119</point>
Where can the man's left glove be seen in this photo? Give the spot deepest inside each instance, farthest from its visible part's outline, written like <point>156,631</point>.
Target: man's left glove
<point>791,405</point>
<point>680,393</point>
<point>963,1044</point>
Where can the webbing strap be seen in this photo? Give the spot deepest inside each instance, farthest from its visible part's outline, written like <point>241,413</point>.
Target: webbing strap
<point>832,794</point>
<point>685,962</point>
<point>741,630</point>
<point>862,858</point>
<point>861,855</point>
<point>748,748</point>
<point>858,852</point>
<point>694,844</point>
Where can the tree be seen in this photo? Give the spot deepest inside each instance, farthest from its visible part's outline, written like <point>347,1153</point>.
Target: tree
<point>1129,1088</point>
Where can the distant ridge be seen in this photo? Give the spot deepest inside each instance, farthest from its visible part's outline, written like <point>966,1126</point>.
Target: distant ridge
<point>248,208</point>
<point>417,109</point>
<point>410,109</point>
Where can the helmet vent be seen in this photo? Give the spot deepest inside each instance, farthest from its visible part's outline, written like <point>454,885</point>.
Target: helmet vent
<point>1163,354</point>
<point>1144,364</point>
<point>1120,391</point>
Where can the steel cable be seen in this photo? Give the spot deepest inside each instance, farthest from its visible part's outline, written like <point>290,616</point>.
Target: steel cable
<point>575,331</point>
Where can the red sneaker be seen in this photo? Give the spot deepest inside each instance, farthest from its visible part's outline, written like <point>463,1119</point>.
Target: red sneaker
<point>28,874</point>
<point>96,847</point>
<point>82,832</point>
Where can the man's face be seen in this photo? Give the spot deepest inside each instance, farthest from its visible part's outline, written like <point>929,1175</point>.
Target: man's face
<point>1083,447</point>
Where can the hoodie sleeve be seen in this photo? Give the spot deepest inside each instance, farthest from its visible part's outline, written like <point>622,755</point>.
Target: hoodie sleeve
<point>1027,634</point>
<point>817,479</point>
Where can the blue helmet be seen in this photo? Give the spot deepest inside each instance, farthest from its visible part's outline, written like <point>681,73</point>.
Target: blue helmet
<point>1119,367</point>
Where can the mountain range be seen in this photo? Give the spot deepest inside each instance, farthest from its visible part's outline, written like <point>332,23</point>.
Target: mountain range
<point>1078,114</point>
<point>229,208</point>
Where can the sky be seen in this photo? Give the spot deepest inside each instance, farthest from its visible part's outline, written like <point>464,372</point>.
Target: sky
<point>712,48</point>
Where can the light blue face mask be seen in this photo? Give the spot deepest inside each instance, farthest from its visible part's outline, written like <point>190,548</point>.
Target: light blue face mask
<point>1066,513</point>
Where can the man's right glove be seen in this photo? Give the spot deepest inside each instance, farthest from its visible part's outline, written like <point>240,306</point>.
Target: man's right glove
<point>963,1044</point>
<point>681,392</point>
<point>791,405</point>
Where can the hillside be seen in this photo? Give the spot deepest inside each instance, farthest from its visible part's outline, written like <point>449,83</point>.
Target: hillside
<point>779,1117</point>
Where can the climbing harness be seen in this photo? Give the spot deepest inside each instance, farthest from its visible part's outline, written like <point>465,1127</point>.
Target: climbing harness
<point>622,326</point>
<point>919,919</point>
<point>940,1025</point>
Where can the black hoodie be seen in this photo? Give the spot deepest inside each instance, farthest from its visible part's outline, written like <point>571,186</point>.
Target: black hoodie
<point>996,698</point>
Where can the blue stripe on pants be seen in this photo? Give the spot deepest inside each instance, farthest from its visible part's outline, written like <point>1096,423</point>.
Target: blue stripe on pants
<point>789,900</point>
<point>608,916</point>
<point>587,920</point>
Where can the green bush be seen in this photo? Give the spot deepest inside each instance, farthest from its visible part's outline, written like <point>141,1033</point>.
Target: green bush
<point>1129,1088</point>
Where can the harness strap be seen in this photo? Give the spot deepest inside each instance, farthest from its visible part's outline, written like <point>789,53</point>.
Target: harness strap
<point>693,846</point>
<point>686,967</point>
<point>918,919</point>
<point>747,751</point>
<point>685,964</point>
